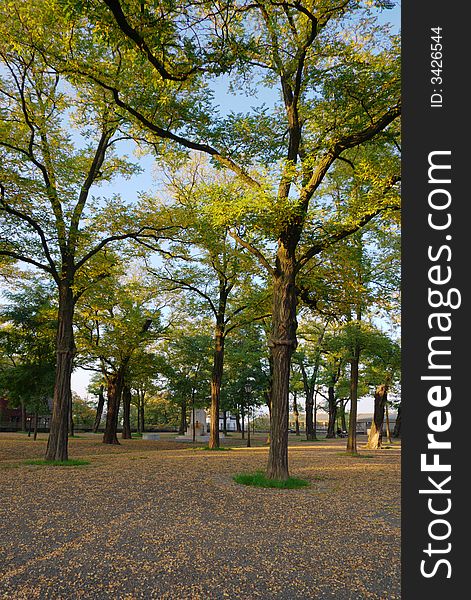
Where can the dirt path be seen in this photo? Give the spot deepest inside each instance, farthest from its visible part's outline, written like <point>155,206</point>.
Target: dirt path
<point>153,520</point>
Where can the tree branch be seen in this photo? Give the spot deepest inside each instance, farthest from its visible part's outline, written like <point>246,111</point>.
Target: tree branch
<point>13,211</point>
<point>261,258</point>
<point>113,238</point>
<point>139,41</point>
<point>188,286</point>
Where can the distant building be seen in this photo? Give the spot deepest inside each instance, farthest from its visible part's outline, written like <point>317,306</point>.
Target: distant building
<point>322,420</point>
<point>365,420</point>
<point>11,418</point>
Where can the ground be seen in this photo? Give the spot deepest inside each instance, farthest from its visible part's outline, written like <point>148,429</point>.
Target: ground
<point>157,519</point>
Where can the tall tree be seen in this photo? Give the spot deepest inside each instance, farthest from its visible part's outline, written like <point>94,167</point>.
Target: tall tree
<point>382,371</point>
<point>113,324</point>
<point>337,74</point>
<point>211,267</point>
<point>47,219</point>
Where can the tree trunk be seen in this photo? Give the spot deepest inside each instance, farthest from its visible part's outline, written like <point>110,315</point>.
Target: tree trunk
<point>397,426</point>
<point>238,427</point>
<point>35,434</point>
<point>182,427</point>
<point>224,422</point>
<point>138,407</point>
<point>142,408</point>
<point>23,415</point>
<point>99,410</point>
<point>342,416</point>
<point>115,388</point>
<point>282,345</point>
<point>296,412</point>
<point>126,433</point>
<point>310,431</point>
<point>375,438</point>
<point>216,378</point>
<point>388,428</point>
<point>352,426</point>
<point>332,412</point>
<point>65,350</point>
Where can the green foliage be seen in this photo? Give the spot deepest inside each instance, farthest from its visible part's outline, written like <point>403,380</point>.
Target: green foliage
<point>83,412</point>
<point>27,345</point>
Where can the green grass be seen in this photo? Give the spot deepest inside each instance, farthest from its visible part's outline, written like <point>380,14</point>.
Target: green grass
<point>71,462</point>
<point>355,455</point>
<point>220,449</point>
<point>259,479</point>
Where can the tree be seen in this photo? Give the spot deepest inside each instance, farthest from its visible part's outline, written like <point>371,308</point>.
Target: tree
<point>184,363</point>
<point>308,357</point>
<point>211,267</point>
<point>27,357</point>
<point>46,217</point>
<point>338,92</point>
<point>114,323</point>
<point>247,372</point>
<point>383,369</point>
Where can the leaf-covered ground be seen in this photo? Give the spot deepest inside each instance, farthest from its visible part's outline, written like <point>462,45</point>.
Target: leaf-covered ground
<point>162,520</point>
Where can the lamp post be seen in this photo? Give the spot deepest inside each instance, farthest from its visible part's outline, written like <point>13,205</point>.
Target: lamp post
<point>248,389</point>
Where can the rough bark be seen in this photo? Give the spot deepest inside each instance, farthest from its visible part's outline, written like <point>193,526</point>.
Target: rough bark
<point>114,392</point>
<point>282,345</point>
<point>65,350</point>
<point>99,409</point>
<point>216,379</point>
<point>375,437</point>
<point>182,426</point>
<point>352,426</point>
<point>310,431</point>
<point>127,397</point>
<point>332,412</point>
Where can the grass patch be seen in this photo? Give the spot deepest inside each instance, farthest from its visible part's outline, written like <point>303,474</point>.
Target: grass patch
<point>220,449</point>
<point>71,462</point>
<point>353,455</point>
<point>259,479</point>
<point>136,435</point>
